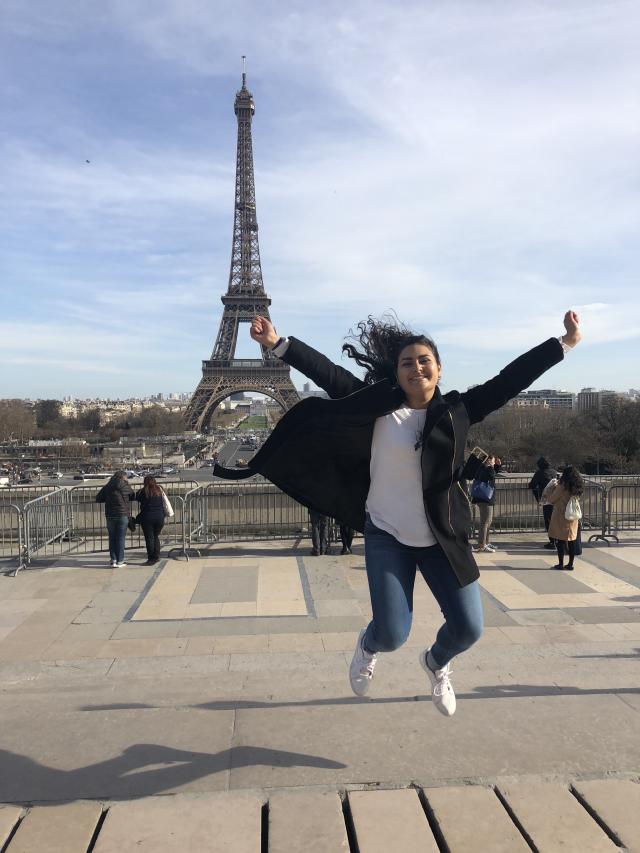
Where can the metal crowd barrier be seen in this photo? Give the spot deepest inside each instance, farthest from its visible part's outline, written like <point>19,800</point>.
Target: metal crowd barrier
<point>20,495</point>
<point>623,509</point>
<point>46,523</point>
<point>89,529</point>
<point>221,512</point>
<point>517,511</point>
<point>68,520</point>
<point>11,534</point>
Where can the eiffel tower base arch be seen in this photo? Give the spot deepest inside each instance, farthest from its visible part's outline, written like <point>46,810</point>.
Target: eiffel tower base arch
<point>218,384</point>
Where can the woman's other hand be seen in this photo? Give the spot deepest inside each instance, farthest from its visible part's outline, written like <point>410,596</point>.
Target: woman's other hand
<point>263,332</point>
<point>572,325</point>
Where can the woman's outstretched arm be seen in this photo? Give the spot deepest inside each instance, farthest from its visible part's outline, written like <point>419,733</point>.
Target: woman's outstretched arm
<point>332,378</point>
<point>515,377</point>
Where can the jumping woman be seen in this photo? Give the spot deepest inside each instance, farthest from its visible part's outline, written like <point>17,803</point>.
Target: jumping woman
<point>384,455</point>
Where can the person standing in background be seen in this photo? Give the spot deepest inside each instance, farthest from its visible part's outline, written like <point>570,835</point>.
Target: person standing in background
<point>151,517</point>
<point>547,509</point>
<point>565,530</point>
<point>319,533</point>
<point>116,496</point>
<point>483,494</point>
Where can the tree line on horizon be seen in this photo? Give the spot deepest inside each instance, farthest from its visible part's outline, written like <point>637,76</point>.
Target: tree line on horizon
<point>20,422</point>
<point>602,441</point>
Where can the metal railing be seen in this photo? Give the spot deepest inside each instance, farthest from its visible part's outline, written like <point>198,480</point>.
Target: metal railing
<point>516,511</point>
<point>46,524</point>
<point>623,509</point>
<point>11,534</point>
<point>89,530</point>
<point>68,520</point>
<point>20,495</point>
<point>220,512</point>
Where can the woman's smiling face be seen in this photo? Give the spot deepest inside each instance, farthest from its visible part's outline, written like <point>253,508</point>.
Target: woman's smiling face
<point>418,373</point>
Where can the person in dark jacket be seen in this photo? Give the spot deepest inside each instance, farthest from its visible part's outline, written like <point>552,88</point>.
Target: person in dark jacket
<point>151,517</point>
<point>346,537</point>
<point>319,533</point>
<point>485,499</point>
<point>116,496</point>
<point>384,455</point>
<point>542,476</point>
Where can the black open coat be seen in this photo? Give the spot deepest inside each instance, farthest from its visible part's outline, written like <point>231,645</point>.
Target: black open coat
<point>320,451</point>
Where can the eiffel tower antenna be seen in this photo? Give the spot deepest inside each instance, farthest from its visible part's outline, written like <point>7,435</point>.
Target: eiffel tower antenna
<point>223,374</point>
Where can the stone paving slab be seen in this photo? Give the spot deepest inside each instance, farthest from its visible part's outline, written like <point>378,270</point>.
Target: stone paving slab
<point>390,820</point>
<point>533,813</point>
<point>9,817</point>
<point>473,818</point>
<point>208,824</point>
<point>617,803</point>
<point>312,822</point>
<point>66,828</point>
<point>554,820</point>
<point>543,582</point>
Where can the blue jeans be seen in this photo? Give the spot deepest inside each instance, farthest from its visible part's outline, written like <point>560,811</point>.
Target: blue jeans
<point>391,571</point>
<point>117,528</point>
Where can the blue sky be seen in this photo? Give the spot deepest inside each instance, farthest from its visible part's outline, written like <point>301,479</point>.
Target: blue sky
<point>472,166</point>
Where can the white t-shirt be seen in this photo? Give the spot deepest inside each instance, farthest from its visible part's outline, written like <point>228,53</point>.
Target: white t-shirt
<point>395,501</point>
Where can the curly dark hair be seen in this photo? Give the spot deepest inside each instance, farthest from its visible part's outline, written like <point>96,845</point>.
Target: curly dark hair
<point>381,342</point>
<point>572,481</point>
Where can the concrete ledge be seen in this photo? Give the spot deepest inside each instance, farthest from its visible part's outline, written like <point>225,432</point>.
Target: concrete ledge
<point>578,816</point>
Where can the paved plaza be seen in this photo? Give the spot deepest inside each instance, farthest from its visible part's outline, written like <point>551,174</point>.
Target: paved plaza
<point>222,682</point>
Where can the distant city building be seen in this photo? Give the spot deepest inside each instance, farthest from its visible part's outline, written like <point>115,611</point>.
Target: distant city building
<point>546,398</point>
<point>520,402</point>
<point>589,399</point>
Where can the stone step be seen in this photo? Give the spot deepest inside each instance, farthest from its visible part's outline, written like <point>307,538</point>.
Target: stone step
<point>554,820</point>
<point>9,817</point>
<point>582,817</point>
<point>312,822</point>
<point>473,818</point>
<point>390,820</point>
<point>228,822</point>
<point>617,803</point>
<point>66,828</point>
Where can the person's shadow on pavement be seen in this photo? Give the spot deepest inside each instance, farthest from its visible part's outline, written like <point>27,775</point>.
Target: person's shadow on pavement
<point>135,772</point>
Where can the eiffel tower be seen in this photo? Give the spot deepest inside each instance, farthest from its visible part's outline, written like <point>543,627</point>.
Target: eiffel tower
<point>223,374</point>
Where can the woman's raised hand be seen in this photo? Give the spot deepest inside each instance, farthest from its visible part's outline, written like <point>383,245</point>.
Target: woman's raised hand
<point>572,325</point>
<point>263,332</point>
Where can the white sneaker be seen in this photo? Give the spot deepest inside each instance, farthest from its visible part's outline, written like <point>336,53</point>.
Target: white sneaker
<point>490,547</point>
<point>442,694</point>
<point>120,565</point>
<point>361,670</point>
<point>486,549</point>
<point>113,564</point>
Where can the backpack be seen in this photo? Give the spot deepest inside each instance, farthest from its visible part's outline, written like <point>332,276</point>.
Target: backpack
<point>573,511</point>
<point>482,491</point>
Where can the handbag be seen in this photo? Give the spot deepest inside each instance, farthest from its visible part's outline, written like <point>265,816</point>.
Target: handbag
<point>482,491</point>
<point>572,511</point>
<point>168,509</point>
<point>131,524</point>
